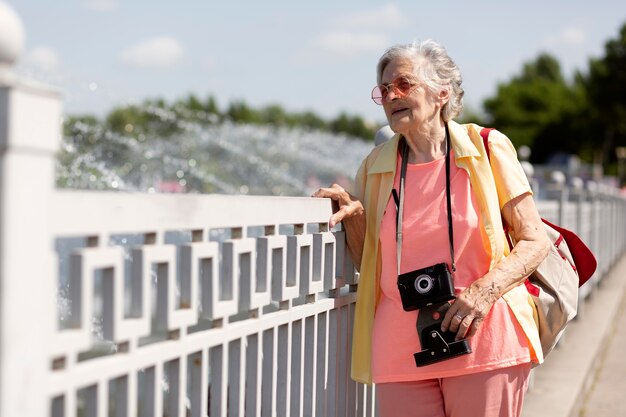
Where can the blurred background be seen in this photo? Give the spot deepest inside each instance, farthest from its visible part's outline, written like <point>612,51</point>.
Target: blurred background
<point>274,97</point>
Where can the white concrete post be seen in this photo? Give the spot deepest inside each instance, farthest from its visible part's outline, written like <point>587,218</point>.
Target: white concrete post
<point>577,191</point>
<point>29,132</point>
<point>558,184</point>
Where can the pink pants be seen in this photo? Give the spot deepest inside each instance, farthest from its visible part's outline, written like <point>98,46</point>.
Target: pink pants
<point>498,393</point>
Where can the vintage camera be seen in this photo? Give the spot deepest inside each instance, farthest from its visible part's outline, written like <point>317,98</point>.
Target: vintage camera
<point>437,346</point>
<point>426,286</point>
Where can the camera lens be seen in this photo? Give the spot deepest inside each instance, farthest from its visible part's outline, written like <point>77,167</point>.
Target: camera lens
<point>424,283</point>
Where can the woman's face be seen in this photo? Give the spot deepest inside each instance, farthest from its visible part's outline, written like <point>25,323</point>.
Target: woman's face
<point>416,110</point>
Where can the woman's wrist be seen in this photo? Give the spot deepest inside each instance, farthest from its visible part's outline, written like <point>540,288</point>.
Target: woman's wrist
<point>488,288</point>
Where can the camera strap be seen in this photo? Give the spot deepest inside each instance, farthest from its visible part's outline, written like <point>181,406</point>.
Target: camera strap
<point>399,199</point>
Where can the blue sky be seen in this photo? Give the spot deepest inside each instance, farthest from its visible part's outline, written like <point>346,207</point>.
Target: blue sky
<point>314,55</point>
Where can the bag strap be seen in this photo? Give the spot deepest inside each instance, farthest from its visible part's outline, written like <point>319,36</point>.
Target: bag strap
<point>484,132</point>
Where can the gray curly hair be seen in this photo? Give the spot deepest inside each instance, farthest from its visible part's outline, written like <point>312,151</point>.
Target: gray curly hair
<point>437,70</point>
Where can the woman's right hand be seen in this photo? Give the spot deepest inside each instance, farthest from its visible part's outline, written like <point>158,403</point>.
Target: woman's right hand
<point>345,205</point>
<point>349,208</point>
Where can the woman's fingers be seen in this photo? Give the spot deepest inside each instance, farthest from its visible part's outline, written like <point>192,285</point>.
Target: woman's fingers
<point>335,192</point>
<point>344,205</point>
<point>463,319</point>
<point>324,193</point>
<point>452,320</point>
<point>345,211</point>
<point>474,327</point>
<point>337,217</point>
<point>447,319</point>
<point>463,324</point>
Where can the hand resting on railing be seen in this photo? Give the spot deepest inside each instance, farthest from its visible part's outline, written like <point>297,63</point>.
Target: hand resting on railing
<point>348,211</point>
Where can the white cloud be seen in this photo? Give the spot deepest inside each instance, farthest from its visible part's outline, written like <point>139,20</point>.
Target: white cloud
<point>570,36</point>
<point>355,34</point>
<point>348,44</point>
<point>385,17</point>
<point>162,52</point>
<point>101,5</point>
<point>43,58</point>
<point>573,36</point>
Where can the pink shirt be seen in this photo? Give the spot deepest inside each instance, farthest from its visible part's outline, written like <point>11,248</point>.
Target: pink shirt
<point>500,341</point>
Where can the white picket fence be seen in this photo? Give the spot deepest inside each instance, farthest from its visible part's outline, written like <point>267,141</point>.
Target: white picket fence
<point>116,304</point>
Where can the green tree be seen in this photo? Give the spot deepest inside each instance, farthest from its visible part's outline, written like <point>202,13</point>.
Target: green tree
<point>470,115</point>
<point>275,115</point>
<point>240,112</point>
<point>193,103</point>
<point>85,131</point>
<point>531,102</point>
<point>210,106</point>
<point>606,89</point>
<point>569,131</point>
<point>352,125</point>
<point>129,120</point>
<point>311,120</point>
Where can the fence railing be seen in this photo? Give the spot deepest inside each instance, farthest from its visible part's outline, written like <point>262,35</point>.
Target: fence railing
<point>188,305</point>
<point>116,304</point>
<point>597,213</point>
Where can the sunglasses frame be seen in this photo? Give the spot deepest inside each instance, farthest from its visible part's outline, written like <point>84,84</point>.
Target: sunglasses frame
<point>392,86</point>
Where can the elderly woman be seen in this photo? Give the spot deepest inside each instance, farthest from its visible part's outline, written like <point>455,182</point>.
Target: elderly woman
<point>413,210</point>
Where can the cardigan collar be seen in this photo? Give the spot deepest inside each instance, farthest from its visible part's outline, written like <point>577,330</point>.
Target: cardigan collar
<point>459,138</point>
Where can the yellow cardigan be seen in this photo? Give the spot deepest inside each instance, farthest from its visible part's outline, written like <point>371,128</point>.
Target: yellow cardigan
<point>493,187</point>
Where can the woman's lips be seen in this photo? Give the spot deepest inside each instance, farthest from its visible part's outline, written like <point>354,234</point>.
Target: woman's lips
<point>398,111</point>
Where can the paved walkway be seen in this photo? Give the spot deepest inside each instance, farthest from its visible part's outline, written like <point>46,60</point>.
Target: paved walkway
<point>606,396</point>
<point>586,375</point>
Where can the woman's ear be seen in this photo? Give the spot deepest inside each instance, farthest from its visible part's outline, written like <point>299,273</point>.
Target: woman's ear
<point>443,97</point>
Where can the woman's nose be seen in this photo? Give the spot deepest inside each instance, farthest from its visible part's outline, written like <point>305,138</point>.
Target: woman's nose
<point>391,94</point>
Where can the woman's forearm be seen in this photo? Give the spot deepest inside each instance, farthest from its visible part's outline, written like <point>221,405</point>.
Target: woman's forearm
<point>515,268</point>
<point>355,237</point>
<point>531,248</point>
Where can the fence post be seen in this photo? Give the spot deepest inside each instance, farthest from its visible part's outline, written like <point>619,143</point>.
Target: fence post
<point>577,196</point>
<point>614,196</point>
<point>577,192</point>
<point>529,170</point>
<point>29,131</point>
<point>594,214</point>
<point>621,225</point>
<point>558,189</point>
<point>603,230</point>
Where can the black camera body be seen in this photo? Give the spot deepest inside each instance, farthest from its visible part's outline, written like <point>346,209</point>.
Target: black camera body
<point>437,346</point>
<point>426,286</point>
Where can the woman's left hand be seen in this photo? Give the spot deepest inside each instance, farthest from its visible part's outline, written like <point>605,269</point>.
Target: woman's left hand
<point>469,310</point>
